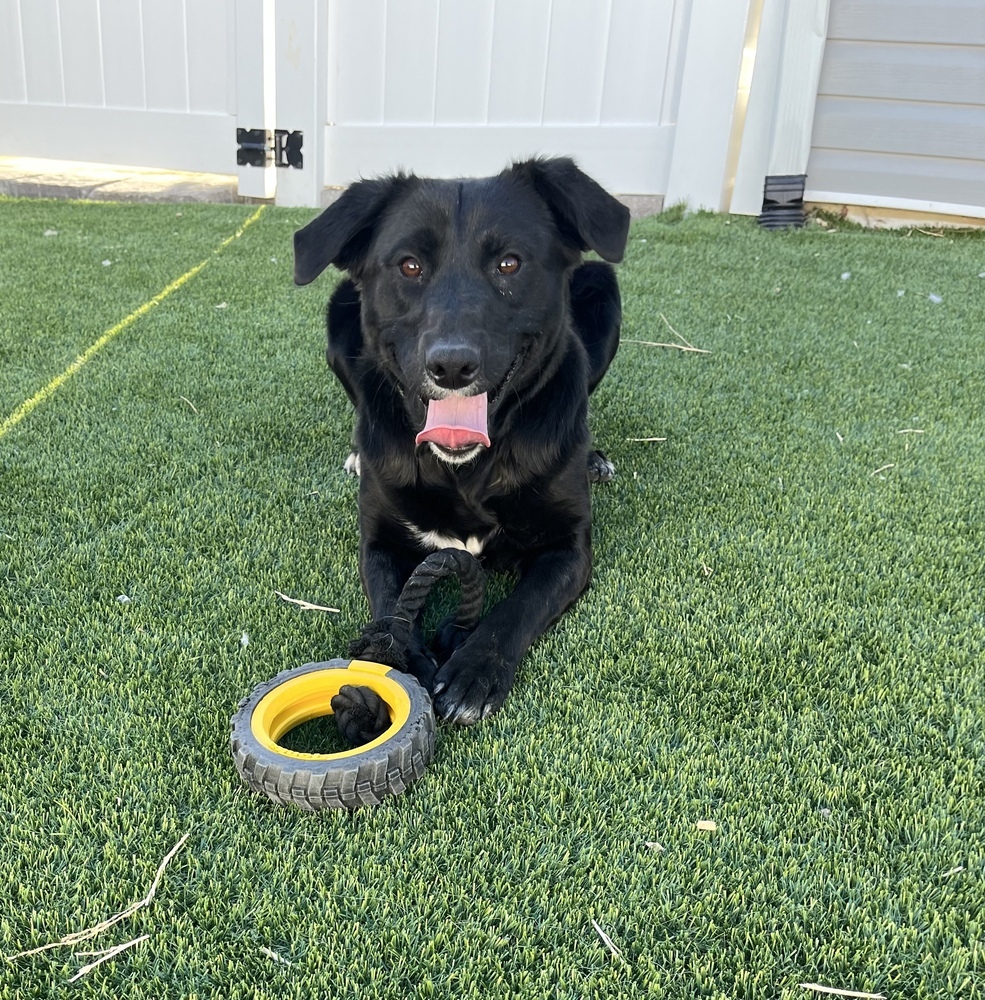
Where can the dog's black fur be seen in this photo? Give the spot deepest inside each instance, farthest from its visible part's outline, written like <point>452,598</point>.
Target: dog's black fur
<point>537,339</point>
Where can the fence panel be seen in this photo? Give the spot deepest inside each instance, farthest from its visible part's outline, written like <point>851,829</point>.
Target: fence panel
<point>134,82</point>
<point>454,87</point>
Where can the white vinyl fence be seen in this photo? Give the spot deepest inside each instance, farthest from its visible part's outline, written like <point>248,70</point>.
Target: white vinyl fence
<point>446,87</point>
<point>461,86</point>
<point>688,100</point>
<point>119,81</point>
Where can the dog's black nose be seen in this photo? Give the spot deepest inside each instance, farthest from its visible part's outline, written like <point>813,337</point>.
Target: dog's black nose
<point>452,364</point>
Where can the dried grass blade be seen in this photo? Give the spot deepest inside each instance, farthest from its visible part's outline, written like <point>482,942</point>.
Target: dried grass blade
<point>77,937</point>
<point>606,940</point>
<point>677,347</point>
<point>817,988</point>
<point>305,605</point>
<point>683,340</point>
<point>107,956</point>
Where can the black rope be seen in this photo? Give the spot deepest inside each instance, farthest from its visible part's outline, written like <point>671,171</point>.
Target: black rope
<point>386,640</point>
<point>360,713</point>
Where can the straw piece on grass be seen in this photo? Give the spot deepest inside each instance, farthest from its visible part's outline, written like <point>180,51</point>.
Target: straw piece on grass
<point>107,955</point>
<point>817,988</point>
<point>90,932</point>
<point>305,605</point>
<point>678,347</point>
<point>684,345</point>
<point>606,940</point>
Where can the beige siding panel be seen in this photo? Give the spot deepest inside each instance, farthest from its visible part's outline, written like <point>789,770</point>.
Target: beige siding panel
<point>955,131</point>
<point>837,175</point>
<point>900,116</point>
<point>952,74</point>
<point>945,22</point>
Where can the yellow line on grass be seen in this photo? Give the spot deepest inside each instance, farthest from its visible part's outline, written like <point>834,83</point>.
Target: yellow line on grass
<point>59,380</point>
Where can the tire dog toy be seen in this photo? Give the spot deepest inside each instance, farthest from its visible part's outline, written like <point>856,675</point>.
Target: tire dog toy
<point>375,702</point>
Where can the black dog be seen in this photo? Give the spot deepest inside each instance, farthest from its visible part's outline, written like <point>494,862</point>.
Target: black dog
<point>469,336</point>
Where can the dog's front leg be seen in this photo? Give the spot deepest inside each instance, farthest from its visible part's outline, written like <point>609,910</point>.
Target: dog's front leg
<point>384,573</point>
<point>477,678</point>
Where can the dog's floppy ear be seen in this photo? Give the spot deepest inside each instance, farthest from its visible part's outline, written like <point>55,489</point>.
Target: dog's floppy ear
<point>587,216</point>
<point>341,234</point>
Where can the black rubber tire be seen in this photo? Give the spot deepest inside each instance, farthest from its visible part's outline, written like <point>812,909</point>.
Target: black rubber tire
<point>363,779</point>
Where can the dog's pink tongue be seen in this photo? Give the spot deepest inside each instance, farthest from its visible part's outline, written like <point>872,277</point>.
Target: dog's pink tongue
<point>456,422</point>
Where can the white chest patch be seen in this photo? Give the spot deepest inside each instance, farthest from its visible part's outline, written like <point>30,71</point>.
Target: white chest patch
<point>436,540</point>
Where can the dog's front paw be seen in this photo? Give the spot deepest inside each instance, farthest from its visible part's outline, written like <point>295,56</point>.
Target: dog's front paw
<point>376,644</point>
<point>448,637</point>
<point>473,684</point>
<point>600,469</point>
<point>421,664</point>
<point>351,465</point>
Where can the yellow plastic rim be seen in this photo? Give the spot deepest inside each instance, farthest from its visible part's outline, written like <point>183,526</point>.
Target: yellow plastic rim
<point>309,696</point>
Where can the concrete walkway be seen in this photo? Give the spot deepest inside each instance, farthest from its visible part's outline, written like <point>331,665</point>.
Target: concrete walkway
<point>23,177</point>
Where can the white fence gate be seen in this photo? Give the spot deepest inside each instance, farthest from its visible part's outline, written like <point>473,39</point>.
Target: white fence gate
<point>118,81</point>
<point>650,95</point>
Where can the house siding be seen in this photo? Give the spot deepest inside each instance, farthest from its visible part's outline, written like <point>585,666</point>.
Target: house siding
<point>900,113</point>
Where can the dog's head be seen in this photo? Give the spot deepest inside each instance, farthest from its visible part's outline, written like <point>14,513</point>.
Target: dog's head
<point>463,283</point>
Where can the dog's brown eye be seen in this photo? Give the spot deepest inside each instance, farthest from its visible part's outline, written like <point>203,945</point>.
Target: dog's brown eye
<point>510,264</point>
<point>410,267</point>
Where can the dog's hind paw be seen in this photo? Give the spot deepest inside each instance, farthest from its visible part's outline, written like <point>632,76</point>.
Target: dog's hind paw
<point>600,469</point>
<point>351,465</point>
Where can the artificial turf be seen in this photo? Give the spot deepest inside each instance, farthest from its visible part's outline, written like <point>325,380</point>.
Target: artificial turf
<point>784,636</point>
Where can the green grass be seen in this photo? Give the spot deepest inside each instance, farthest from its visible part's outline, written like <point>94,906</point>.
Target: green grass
<point>779,637</point>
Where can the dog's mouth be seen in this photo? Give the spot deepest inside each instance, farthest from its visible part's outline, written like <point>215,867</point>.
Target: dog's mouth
<point>458,425</point>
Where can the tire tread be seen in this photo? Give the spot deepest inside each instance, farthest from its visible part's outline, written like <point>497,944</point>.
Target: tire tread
<point>361,780</point>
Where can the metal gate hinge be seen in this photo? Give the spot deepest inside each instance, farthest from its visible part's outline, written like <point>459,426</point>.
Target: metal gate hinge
<point>260,147</point>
